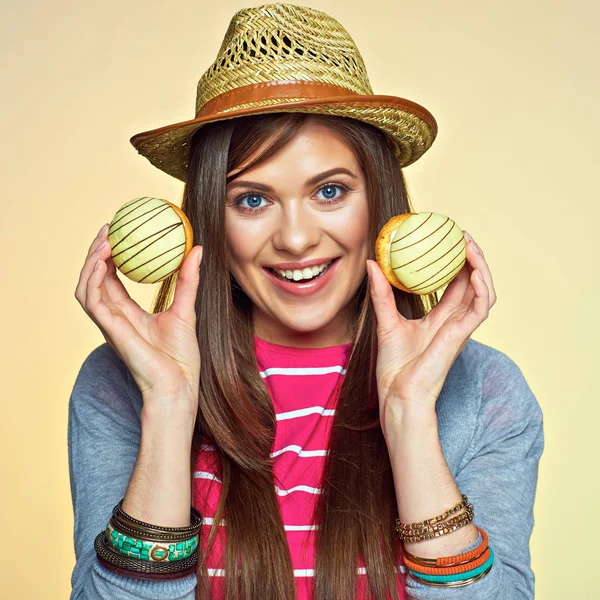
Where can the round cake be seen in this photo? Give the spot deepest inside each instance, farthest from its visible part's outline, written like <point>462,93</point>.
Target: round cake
<point>420,252</point>
<point>150,239</point>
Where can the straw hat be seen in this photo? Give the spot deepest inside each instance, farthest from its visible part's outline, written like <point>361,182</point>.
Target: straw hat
<point>288,58</point>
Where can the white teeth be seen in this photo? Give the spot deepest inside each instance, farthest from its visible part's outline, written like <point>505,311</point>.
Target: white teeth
<point>307,273</point>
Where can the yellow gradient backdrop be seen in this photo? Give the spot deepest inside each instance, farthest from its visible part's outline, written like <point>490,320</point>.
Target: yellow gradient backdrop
<point>514,88</point>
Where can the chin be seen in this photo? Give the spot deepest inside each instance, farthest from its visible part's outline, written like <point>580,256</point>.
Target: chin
<point>304,321</point>
<point>306,325</point>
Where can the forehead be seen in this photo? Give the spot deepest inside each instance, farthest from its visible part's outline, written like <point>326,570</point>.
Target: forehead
<point>314,147</point>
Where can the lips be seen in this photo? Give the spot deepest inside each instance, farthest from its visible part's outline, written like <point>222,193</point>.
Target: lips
<point>319,274</point>
<point>303,287</point>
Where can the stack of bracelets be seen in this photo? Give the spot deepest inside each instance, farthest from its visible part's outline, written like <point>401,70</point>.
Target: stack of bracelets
<point>137,549</point>
<point>145,551</point>
<point>446,571</point>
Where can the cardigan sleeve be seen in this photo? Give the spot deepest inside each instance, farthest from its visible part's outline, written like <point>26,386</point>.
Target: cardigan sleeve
<point>499,475</point>
<point>104,434</point>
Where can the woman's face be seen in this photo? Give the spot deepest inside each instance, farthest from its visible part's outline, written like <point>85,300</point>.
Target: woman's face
<point>303,211</point>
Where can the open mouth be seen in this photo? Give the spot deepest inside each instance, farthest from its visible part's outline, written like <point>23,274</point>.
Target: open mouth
<point>302,276</point>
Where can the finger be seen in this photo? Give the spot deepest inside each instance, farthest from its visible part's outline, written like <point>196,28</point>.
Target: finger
<point>115,329</point>
<point>114,286</point>
<point>100,237</point>
<point>383,300</point>
<point>480,307</point>
<point>478,261</point>
<point>453,336</point>
<point>112,290</point>
<point>88,265</point>
<point>454,294</point>
<point>94,302</point>
<point>473,262</point>
<point>98,304</point>
<point>186,288</point>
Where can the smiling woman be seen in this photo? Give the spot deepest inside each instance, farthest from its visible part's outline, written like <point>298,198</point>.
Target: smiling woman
<point>336,437</point>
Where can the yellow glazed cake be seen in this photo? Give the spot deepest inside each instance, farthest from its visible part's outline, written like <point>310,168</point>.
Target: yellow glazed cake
<point>150,239</point>
<point>420,252</point>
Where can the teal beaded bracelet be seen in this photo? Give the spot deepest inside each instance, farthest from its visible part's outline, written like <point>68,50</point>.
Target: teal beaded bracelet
<point>141,569</point>
<point>455,576</point>
<point>148,549</point>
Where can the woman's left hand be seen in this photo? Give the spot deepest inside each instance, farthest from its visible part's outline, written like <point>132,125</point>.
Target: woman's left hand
<point>415,355</point>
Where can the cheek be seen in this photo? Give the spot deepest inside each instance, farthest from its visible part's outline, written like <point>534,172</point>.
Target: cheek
<point>242,242</point>
<point>236,248</point>
<point>354,226</point>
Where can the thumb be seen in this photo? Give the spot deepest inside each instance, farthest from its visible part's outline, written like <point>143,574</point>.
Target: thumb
<point>186,287</point>
<point>383,300</point>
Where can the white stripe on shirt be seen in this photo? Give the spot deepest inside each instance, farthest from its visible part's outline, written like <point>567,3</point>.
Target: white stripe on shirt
<point>280,492</point>
<point>302,371</point>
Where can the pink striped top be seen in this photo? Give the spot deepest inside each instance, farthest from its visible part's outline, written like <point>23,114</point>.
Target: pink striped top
<point>301,383</point>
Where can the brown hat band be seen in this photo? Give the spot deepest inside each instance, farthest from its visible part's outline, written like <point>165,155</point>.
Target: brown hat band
<point>272,90</point>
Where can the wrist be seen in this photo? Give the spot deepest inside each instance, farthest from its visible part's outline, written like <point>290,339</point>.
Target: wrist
<point>408,423</point>
<point>171,424</point>
<point>173,404</point>
<point>411,414</point>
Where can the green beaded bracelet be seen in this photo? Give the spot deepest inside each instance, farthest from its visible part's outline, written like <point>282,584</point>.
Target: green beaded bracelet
<point>152,551</point>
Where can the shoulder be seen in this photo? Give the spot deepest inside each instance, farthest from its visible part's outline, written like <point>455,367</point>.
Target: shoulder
<point>104,384</point>
<point>486,375</point>
<point>485,396</point>
<point>502,383</point>
<point>103,361</point>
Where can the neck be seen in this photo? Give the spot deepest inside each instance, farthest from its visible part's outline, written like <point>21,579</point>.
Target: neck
<point>338,331</point>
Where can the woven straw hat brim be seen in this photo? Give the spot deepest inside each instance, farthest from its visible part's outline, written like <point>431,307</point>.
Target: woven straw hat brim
<point>411,127</point>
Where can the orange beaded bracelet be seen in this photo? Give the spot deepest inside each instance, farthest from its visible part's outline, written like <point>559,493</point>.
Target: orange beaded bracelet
<point>451,561</point>
<point>463,568</point>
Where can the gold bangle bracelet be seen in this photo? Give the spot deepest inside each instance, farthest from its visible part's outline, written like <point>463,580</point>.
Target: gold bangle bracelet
<point>455,583</point>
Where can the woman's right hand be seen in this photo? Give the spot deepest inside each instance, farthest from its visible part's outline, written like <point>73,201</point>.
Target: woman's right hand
<point>161,350</point>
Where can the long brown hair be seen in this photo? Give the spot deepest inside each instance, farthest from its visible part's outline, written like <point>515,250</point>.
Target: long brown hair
<point>357,508</point>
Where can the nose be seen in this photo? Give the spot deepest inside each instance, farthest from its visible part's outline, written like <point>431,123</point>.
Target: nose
<point>297,231</point>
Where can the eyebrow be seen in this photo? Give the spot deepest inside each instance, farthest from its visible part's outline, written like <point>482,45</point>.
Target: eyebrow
<point>266,188</point>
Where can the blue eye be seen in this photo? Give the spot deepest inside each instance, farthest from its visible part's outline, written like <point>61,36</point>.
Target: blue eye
<point>253,200</point>
<point>329,191</point>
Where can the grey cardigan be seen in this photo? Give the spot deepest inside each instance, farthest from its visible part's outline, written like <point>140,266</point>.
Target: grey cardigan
<point>491,431</point>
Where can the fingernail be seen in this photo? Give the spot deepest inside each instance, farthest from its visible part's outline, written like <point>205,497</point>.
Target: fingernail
<point>472,241</point>
<point>101,229</point>
<point>101,245</point>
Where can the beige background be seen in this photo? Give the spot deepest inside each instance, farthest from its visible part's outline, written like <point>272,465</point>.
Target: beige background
<point>514,88</point>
